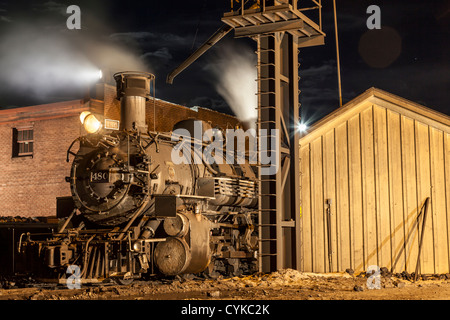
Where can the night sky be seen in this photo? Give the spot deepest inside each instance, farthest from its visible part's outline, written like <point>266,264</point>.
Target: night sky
<point>407,57</point>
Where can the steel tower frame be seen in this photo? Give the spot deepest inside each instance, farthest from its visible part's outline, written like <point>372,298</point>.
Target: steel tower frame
<point>281,28</point>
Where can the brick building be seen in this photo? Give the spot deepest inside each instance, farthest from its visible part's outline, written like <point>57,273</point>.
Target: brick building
<point>34,141</point>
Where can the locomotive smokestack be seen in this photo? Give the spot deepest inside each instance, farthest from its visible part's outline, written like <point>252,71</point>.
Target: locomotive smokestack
<point>133,90</point>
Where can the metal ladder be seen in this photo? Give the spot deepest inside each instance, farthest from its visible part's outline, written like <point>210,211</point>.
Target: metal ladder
<point>266,210</point>
<point>271,207</point>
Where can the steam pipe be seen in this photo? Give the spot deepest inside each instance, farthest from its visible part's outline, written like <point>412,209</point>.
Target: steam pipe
<point>216,37</point>
<point>150,229</point>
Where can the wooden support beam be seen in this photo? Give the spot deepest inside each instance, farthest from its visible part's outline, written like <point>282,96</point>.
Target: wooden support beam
<point>304,42</point>
<point>268,28</point>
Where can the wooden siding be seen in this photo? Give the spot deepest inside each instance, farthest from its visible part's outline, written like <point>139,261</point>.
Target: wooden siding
<point>377,165</point>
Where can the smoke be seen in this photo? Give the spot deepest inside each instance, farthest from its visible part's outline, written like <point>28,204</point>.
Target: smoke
<point>47,63</point>
<point>234,67</point>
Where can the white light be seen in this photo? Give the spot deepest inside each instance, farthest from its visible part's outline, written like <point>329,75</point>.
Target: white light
<point>302,127</point>
<point>137,246</point>
<point>87,76</point>
<point>91,124</point>
<point>83,116</point>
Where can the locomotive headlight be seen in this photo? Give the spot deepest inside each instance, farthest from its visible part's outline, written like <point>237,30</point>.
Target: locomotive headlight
<point>83,116</point>
<point>91,124</point>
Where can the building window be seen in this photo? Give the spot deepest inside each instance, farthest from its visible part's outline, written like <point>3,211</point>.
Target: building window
<point>23,142</point>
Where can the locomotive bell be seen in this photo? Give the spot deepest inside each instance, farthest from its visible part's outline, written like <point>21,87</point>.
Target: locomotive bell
<point>133,90</point>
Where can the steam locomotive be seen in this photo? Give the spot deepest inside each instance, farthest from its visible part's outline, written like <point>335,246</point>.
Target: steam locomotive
<point>137,213</point>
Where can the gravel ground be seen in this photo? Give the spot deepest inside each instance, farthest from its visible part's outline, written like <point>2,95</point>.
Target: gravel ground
<point>282,285</point>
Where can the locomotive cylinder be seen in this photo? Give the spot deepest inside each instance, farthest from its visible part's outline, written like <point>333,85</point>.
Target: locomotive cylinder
<point>185,254</point>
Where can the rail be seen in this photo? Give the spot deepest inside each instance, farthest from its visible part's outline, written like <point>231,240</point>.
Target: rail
<point>246,6</point>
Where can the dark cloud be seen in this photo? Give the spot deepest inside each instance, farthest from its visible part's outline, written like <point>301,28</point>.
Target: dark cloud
<point>411,61</point>
<point>214,103</point>
<point>4,15</point>
<point>5,19</point>
<point>161,54</point>
<point>51,7</point>
<point>162,34</point>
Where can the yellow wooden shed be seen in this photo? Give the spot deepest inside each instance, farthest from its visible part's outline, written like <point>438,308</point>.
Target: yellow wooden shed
<point>366,170</point>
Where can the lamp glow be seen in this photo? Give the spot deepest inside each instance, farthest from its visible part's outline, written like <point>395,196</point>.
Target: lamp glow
<point>83,116</point>
<point>91,124</point>
<point>302,127</point>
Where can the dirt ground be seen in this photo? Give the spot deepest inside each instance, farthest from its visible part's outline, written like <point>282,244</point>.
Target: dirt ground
<point>282,285</point>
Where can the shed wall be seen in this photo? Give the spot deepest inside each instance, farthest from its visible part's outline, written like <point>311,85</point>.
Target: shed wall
<point>377,167</point>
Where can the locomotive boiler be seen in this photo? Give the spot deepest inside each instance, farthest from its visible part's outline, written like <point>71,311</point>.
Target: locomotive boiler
<point>139,212</point>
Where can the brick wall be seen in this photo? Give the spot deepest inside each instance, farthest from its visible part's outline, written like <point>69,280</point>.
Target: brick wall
<point>29,186</point>
<point>167,113</point>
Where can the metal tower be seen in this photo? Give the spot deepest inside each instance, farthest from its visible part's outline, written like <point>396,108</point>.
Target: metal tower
<point>280,28</point>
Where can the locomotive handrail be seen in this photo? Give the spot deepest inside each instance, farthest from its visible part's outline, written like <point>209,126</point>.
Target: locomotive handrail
<point>20,240</point>
<point>63,227</point>
<point>193,196</point>
<point>70,147</point>
<point>86,257</point>
<point>152,139</point>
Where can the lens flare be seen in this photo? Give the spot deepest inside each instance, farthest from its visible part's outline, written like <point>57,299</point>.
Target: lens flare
<point>301,127</point>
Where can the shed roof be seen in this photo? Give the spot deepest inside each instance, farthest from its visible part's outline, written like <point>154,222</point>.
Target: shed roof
<point>374,96</point>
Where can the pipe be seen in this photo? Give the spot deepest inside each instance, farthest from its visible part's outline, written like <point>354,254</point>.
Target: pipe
<point>150,229</point>
<point>216,37</point>
<point>66,223</point>
<point>421,238</point>
<point>330,247</point>
<point>337,54</point>
<point>135,215</point>
<point>405,243</point>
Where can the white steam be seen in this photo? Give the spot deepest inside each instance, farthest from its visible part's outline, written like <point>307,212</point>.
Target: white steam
<point>42,64</point>
<point>236,73</point>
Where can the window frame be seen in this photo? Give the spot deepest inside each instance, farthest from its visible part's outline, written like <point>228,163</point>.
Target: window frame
<point>23,141</point>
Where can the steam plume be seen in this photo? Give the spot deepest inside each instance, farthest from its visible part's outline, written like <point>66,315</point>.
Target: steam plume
<point>44,64</point>
<point>235,70</point>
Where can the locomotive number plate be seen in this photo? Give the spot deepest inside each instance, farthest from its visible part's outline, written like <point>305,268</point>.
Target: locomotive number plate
<point>100,176</point>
